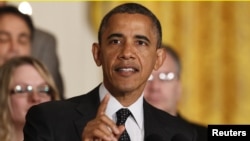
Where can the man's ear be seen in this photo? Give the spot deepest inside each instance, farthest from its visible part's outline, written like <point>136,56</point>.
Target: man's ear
<point>96,53</point>
<point>161,55</point>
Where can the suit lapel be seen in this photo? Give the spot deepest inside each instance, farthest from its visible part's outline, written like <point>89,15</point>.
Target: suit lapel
<point>87,108</point>
<point>152,123</point>
<point>148,126</point>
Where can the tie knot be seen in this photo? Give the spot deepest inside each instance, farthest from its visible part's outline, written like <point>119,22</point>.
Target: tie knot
<point>122,116</point>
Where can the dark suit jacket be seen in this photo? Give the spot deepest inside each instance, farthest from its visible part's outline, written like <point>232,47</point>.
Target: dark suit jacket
<point>44,49</point>
<point>201,130</point>
<point>65,120</point>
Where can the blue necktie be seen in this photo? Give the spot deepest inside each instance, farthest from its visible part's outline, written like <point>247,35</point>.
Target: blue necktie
<point>122,116</point>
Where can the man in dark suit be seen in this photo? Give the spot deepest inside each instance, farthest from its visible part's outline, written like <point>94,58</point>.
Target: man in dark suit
<point>129,48</point>
<point>164,89</point>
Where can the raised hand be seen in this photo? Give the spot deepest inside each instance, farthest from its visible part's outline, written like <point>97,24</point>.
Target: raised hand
<point>102,128</point>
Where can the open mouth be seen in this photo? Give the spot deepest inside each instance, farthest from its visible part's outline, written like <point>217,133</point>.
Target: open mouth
<point>126,69</point>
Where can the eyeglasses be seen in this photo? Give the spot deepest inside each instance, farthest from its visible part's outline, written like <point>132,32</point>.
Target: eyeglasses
<point>163,76</point>
<point>25,89</point>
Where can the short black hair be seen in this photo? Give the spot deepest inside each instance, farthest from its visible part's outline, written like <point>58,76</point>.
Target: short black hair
<point>132,8</point>
<point>9,9</point>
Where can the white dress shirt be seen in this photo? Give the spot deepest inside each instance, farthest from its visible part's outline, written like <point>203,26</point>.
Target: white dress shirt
<point>134,125</point>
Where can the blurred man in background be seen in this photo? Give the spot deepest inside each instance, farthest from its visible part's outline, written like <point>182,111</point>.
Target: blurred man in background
<point>164,90</point>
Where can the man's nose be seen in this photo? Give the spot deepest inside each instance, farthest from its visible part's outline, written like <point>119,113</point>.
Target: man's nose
<point>127,51</point>
<point>13,45</point>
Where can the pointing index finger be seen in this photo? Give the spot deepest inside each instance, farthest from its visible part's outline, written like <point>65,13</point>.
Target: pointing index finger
<point>103,105</point>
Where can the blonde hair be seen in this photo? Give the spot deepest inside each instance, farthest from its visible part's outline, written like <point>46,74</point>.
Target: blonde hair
<point>6,70</point>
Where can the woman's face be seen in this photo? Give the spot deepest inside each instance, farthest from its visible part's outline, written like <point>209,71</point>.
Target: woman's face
<point>27,88</point>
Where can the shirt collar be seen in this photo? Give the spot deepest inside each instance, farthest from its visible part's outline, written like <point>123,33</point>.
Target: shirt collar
<point>113,105</point>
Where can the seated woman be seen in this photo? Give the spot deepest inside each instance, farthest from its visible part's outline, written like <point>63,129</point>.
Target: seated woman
<point>24,82</point>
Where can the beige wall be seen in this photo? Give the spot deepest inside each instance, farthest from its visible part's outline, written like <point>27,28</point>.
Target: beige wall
<point>68,21</point>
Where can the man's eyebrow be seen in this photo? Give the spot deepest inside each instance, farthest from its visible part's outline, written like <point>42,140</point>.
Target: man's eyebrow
<point>3,32</point>
<point>24,35</point>
<point>142,37</point>
<point>114,35</point>
<point>136,36</point>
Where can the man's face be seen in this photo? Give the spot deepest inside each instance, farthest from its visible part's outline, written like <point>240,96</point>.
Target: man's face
<point>127,53</point>
<point>15,38</point>
<point>164,93</point>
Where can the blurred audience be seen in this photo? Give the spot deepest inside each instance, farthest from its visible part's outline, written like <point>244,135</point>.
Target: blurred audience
<point>18,37</point>
<point>24,82</point>
<point>44,48</point>
<point>164,89</point>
